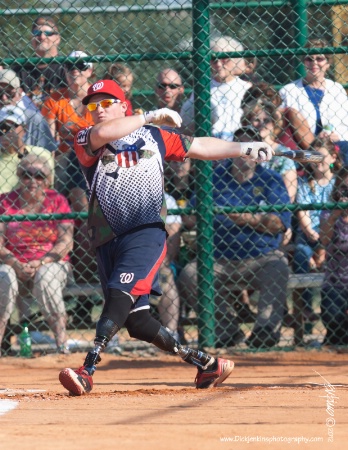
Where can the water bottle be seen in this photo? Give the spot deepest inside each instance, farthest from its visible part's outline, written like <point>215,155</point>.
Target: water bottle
<point>25,342</point>
<point>329,128</point>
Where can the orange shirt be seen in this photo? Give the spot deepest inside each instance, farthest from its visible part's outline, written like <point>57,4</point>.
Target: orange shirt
<point>68,122</point>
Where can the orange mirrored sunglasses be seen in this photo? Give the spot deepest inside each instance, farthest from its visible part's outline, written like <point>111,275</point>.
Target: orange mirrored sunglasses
<point>103,103</point>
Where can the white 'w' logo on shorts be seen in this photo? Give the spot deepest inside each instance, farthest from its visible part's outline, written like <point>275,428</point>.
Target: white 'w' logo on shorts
<point>126,277</point>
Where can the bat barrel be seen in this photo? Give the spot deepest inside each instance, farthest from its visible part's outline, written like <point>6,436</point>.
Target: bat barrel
<point>301,155</point>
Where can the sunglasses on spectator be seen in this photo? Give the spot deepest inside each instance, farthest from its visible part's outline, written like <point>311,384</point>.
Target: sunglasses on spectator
<point>169,85</point>
<point>103,103</point>
<point>30,174</point>
<point>81,66</point>
<point>318,59</point>
<point>48,33</point>
<point>6,127</point>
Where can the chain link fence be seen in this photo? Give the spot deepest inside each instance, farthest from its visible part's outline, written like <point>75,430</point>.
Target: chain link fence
<point>256,254</point>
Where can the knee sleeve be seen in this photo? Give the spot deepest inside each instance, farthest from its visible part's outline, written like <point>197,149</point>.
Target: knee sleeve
<point>141,325</point>
<point>117,306</point>
<point>114,314</point>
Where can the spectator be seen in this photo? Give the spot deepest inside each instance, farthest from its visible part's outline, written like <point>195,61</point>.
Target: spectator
<point>334,291</point>
<point>11,95</point>
<point>169,93</point>
<point>66,114</point>
<point>34,255</point>
<point>40,80</point>
<point>169,89</point>
<point>321,101</point>
<point>226,91</point>
<point>247,254</point>
<point>12,133</point>
<point>292,128</point>
<point>125,78</point>
<point>169,303</point>
<point>249,71</point>
<point>316,187</point>
<point>263,116</point>
<point>10,89</point>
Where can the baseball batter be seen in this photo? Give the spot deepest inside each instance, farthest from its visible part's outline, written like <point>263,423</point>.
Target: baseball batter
<point>122,160</point>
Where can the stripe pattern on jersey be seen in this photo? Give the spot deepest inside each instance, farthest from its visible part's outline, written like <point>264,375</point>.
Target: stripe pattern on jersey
<point>125,158</point>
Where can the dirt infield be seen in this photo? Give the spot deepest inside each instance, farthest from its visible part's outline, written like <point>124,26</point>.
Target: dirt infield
<point>272,400</point>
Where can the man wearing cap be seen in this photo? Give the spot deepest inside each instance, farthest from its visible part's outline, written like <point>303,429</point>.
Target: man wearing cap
<point>10,87</point>
<point>12,147</point>
<point>65,114</point>
<point>37,131</point>
<point>122,160</point>
<point>39,80</point>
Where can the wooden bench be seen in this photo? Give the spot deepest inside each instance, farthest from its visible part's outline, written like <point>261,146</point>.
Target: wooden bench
<point>298,282</point>
<point>305,280</point>
<point>82,289</point>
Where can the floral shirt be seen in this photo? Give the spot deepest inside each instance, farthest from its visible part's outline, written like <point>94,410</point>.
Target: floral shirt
<point>32,240</point>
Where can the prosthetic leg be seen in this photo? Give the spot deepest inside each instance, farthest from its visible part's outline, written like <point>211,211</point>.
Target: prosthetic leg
<point>141,325</point>
<point>210,371</point>
<point>115,312</point>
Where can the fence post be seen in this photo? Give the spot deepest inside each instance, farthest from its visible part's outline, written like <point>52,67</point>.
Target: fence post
<point>203,185</point>
<point>300,30</point>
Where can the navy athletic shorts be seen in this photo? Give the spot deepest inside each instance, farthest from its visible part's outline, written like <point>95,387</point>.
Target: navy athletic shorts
<point>131,262</point>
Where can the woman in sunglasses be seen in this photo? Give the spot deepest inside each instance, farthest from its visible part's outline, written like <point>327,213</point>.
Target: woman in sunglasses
<point>323,102</point>
<point>34,255</point>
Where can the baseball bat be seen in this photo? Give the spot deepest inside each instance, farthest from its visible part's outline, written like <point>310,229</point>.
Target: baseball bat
<point>302,156</point>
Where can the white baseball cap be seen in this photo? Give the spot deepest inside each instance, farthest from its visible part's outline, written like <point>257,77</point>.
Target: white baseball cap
<point>79,54</point>
<point>8,76</point>
<point>11,113</point>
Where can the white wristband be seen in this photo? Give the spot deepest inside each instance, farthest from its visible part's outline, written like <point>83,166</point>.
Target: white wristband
<point>149,115</point>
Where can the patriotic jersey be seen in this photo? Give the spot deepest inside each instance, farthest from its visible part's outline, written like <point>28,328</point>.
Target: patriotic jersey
<point>125,179</point>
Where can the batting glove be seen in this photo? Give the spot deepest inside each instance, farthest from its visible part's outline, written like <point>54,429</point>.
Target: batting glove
<point>256,151</point>
<point>164,116</point>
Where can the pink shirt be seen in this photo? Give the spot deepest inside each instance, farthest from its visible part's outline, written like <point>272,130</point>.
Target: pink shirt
<point>32,240</point>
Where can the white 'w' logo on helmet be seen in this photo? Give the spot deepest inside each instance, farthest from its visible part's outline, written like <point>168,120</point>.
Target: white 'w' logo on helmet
<point>97,86</point>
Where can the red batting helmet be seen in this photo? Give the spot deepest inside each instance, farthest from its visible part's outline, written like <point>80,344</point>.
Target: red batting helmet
<point>104,87</point>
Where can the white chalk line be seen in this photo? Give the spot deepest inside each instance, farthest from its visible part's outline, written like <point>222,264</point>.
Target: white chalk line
<point>21,391</point>
<point>7,405</point>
